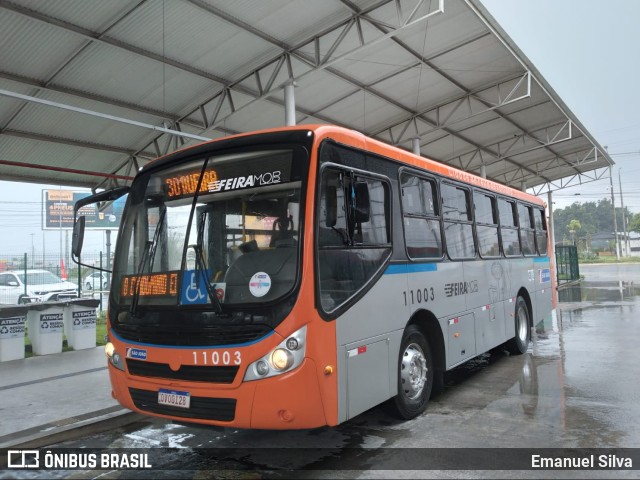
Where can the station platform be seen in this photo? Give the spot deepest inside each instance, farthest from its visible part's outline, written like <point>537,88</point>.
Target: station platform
<point>45,398</point>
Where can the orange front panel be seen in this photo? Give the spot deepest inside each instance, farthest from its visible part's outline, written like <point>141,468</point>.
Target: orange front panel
<point>289,401</point>
<point>307,392</point>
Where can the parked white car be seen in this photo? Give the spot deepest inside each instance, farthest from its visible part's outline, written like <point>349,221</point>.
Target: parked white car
<point>97,280</point>
<point>41,286</point>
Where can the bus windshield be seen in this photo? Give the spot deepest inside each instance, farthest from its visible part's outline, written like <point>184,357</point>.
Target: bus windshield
<point>212,232</point>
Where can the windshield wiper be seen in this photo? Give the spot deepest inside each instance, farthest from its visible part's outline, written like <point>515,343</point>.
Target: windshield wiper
<point>148,256</point>
<point>201,266</point>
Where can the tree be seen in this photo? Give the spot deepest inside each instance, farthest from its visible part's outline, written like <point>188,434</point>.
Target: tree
<point>574,227</point>
<point>594,217</point>
<point>634,223</point>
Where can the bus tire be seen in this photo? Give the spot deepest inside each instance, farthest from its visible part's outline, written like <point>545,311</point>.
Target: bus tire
<point>415,374</point>
<point>520,342</point>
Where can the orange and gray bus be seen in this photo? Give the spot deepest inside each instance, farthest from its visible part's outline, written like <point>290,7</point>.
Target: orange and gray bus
<point>296,277</point>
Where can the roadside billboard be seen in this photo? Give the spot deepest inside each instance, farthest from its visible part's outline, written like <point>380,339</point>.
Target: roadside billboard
<point>57,211</point>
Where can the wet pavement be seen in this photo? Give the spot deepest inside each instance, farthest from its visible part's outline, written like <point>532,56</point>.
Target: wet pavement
<point>576,387</point>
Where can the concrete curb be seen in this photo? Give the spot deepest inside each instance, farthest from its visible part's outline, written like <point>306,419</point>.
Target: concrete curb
<point>70,428</point>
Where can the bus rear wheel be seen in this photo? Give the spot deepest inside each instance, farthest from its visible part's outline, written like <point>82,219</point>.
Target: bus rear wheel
<point>415,374</point>
<point>520,342</point>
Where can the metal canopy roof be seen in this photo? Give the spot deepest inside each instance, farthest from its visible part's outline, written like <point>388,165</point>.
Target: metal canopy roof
<point>93,90</point>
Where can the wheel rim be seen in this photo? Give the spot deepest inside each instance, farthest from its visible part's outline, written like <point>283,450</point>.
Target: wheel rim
<point>413,371</point>
<point>523,324</point>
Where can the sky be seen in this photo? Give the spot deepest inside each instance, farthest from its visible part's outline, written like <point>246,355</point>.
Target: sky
<point>585,49</point>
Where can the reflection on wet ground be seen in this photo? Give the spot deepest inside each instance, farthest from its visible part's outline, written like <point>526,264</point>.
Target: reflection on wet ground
<point>598,292</point>
<point>576,387</point>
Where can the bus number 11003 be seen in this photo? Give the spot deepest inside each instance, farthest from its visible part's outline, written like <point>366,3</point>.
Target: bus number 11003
<point>217,358</point>
<point>420,295</point>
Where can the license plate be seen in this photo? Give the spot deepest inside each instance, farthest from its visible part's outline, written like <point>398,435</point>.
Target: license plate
<point>173,398</point>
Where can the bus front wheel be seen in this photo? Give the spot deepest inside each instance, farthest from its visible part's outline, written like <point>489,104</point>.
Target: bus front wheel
<point>415,374</point>
<point>518,344</point>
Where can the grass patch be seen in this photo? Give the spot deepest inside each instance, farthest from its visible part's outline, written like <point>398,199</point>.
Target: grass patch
<point>609,260</point>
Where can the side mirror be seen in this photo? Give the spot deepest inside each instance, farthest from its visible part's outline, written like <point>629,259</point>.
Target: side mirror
<point>13,283</point>
<point>93,207</point>
<point>362,207</point>
<point>78,236</point>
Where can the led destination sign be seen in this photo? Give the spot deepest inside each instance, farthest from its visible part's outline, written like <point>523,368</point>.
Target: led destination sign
<point>153,285</point>
<point>186,184</point>
<point>271,169</point>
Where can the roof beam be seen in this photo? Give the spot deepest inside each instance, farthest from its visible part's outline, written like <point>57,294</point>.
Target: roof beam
<point>72,142</point>
<point>327,64</point>
<point>445,111</point>
<point>449,78</point>
<point>99,38</point>
<point>52,87</point>
<point>575,180</point>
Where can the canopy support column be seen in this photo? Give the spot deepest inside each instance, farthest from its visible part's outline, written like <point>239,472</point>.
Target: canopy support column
<point>416,145</point>
<point>289,104</point>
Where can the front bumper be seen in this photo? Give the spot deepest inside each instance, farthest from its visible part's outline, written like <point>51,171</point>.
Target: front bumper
<point>288,401</point>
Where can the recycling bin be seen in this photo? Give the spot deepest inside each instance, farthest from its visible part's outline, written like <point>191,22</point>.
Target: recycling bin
<point>80,322</point>
<point>45,326</point>
<point>12,322</point>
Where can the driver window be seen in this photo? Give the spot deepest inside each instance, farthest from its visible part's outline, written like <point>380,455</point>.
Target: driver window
<point>349,256</point>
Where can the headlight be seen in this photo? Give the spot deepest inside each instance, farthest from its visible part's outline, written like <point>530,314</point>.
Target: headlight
<point>114,357</point>
<point>281,359</point>
<point>284,358</point>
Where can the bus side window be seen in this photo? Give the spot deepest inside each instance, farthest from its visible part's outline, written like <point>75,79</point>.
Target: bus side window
<point>458,226</point>
<point>509,228</point>
<point>541,231</point>
<point>527,234</point>
<point>486,225</point>
<point>345,264</point>
<point>421,219</point>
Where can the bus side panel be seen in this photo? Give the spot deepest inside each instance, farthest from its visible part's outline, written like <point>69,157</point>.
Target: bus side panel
<point>444,290</point>
<point>368,337</point>
<point>516,275</point>
<point>543,275</point>
<point>438,287</point>
<point>487,302</point>
<point>461,341</point>
<point>382,314</point>
<point>368,372</point>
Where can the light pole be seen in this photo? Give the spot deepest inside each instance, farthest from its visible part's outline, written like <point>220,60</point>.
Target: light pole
<point>32,249</point>
<point>613,203</point>
<point>625,250</point>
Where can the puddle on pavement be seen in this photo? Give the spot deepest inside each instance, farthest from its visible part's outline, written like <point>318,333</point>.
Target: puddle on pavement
<point>598,292</point>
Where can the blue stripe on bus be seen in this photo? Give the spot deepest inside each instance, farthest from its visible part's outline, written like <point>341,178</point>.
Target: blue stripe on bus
<point>235,345</point>
<point>411,268</point>
<point>541,260</point>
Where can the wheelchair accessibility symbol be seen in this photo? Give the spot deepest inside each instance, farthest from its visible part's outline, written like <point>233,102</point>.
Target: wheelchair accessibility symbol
<point>194,289</point>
